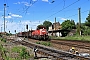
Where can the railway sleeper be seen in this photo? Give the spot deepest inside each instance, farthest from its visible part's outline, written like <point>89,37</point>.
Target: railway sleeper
<point>63,53</point>
<point>55,55</point>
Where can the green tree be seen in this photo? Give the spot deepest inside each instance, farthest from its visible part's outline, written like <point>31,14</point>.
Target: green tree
<point>68,25</point>
<point>86,30</point>
<point>47,24</point>
<point>40,26</point>
<point>87,22</point>
<point>82,28</point>
<point>87,25</point>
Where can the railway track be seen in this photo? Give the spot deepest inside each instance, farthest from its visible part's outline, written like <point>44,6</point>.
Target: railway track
<point>82,44</point>
<point>48,51</point>
<point>78,45</point>
<point>71,43</point>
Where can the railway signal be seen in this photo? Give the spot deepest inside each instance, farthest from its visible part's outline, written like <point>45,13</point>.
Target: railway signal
<point>27,30</point>
<point>9,31</point>
<point>15,33</point>
<point>27,27</point>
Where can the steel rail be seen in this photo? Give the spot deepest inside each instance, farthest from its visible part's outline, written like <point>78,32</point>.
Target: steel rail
<point>59,54</point>
<point>74,45</point>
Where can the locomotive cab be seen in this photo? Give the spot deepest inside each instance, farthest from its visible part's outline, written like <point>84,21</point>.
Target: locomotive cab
<point>40,33</point>
<point>43,34</point>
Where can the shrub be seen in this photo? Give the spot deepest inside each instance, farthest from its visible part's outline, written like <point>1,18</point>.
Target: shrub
<point>44,43</point>
<point>24,54</point>
<point>37,42</point>
<point>4,40</point>
<point>16,49</point>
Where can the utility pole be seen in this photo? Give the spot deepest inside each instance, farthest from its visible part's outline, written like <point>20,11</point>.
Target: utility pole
<point>79,16</point>
<point>4,16</point>
<point>27,30</point>
<point>1,28</point>
<point>55,25</point>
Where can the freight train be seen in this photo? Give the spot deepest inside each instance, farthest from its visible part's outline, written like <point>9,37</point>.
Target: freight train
<point>40,33</point>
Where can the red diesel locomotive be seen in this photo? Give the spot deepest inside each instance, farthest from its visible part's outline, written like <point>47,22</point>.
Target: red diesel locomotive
<point>39,33</point>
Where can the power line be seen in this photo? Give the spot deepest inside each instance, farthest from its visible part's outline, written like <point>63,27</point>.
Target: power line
<point>57,5</point>
<point>81,12</point>
<point>77,14</point>
<point>64,3</point>
<point>64,8</point>
<point>31,2</point>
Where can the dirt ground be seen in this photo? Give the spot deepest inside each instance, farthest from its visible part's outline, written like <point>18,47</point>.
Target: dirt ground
<point>65,47</point>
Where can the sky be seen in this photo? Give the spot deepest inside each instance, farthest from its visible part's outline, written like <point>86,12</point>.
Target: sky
<point>19,13</point>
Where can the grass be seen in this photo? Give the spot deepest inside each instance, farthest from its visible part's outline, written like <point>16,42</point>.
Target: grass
<point>76,37</point>
<point>44,43</point>
<point>16,49</point>
<point>7,52</point>
<point>2,39</point>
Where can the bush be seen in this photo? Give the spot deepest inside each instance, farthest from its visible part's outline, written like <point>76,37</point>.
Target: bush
<point>37,42</point>
<point>24,54</point>
<point>8,34</point>
<point>44,43</point>
<point>1,39</point>
<point>0,35</point>
<point>1,47</point>
<point>16,49</point>
<point>4,40</point>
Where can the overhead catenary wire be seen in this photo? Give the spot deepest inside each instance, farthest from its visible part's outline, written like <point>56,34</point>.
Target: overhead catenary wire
<point>77,14</point>
<point>58,4</point>
<point>64,3</point>
<point>55,7</point>
<point>31,2</point>
<point>64,8</point>
<point>25,10</point>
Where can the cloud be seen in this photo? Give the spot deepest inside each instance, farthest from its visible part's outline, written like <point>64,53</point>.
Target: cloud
<point>45,0</point>
<point>24,3</point>
<point>34,0</point>
<point>17,3</point>
<point>8,17</point>
<point>12,15</point>
<point>15,15</point>
<point>20,25</point>
<point>61,18</point>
